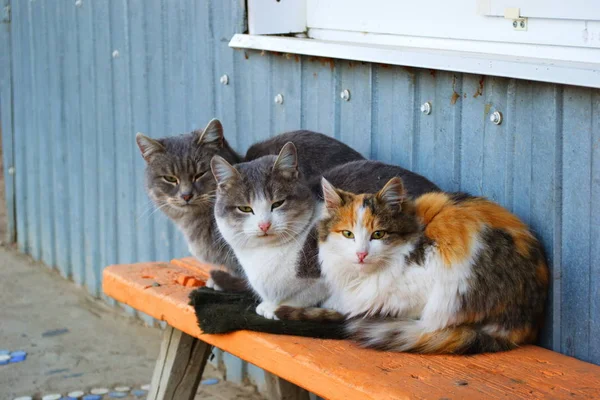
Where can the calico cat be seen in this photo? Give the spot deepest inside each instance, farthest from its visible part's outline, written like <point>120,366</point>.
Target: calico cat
<point>267,213</point>
<point>179,182</point>
<point>445,273</point>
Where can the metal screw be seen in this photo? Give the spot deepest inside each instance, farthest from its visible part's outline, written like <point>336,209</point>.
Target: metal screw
<point>426,108</point>
<point>224,80</point>
<point>496,117</point>
<point>78,3</point>
<point>115,54</point>
<point>279,99</point>
<point>514,24</point>
<point>522,24</point>
<point>345,95</point>
<point>11,170</point>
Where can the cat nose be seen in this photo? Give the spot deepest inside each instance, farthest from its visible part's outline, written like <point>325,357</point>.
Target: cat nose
<point>264,226</point>
<point>186,197</point>
<point>361,255</point>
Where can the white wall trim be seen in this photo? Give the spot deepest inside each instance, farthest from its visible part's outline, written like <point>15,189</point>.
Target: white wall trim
<point>532,68</point>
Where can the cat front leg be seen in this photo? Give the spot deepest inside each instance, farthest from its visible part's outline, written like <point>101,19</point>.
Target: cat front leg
<point>267,309</point>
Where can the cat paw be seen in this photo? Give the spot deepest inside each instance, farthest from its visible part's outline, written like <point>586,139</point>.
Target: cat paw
<point>211,284</point>
<point>267,310</point>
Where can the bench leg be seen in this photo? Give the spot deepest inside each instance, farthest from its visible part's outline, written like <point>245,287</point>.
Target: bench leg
<point>179,367</point>
<point>280,389</point>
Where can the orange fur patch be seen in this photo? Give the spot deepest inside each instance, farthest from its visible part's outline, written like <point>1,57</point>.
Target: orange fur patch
<point>444,341</point>
<point>542,273</point>
<point>453,226</point>
<point>522,335</point>
<point>348,213</point>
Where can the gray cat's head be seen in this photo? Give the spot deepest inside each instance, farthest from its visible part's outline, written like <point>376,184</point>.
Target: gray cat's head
<point>264,201</point>
<point>178,178</point>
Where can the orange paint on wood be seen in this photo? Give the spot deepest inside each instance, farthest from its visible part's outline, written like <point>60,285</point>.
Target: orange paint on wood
<point>340,370</point>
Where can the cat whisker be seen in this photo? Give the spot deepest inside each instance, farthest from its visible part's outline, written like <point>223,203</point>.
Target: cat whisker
<point>149,213</point>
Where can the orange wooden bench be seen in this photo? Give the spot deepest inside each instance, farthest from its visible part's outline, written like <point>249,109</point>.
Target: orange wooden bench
<point>332,369</point>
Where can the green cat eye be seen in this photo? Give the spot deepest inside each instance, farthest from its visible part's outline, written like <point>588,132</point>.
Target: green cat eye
<point>378,235</point>
<point>348,234</point>
<point>170,179</point>
<point>245,209</point>
<point>277,204</point>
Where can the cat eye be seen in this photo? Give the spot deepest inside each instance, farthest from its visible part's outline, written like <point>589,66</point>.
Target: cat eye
<point>348,234</point>
<point>378,235</point>
<point>245,209</point>
<point>198,176</point>
<point>277,204</point>
<point>170,179</point>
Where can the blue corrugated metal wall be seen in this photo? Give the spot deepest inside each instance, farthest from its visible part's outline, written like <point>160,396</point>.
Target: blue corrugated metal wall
<point>85,79</point>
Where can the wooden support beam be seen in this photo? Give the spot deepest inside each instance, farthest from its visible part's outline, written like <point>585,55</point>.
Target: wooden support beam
<point>179,366</point>
<point>280,389</point>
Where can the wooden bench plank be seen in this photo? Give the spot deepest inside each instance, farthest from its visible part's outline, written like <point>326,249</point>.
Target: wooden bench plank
<point>339,369</point>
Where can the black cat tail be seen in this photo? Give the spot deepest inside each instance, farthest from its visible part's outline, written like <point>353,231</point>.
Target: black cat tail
<point>224,312</point>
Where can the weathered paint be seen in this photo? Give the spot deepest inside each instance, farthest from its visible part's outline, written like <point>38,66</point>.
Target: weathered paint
<point>75,109</point>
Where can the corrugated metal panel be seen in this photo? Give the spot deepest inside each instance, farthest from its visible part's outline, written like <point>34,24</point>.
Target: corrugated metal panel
<point>85,79</point>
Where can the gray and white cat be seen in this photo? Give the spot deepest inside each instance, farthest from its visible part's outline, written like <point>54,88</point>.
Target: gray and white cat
<point>267,212</point>
<point>178,180</point>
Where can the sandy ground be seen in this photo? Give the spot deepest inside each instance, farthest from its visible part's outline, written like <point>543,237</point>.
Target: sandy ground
<point>73,341</point>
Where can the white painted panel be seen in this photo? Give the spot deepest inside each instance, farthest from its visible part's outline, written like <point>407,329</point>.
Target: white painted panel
<point>276,16</point>
<point>456,19</point>
<point>553,9</point>
<point>536,69</point>
<point>576,54</point>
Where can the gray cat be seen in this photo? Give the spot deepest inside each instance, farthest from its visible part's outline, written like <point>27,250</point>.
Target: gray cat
<point>179,182</point>
<point>267,212</point>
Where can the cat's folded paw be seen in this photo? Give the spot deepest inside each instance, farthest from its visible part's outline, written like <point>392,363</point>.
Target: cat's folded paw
<point>211,284</point>
<point>267,310</point>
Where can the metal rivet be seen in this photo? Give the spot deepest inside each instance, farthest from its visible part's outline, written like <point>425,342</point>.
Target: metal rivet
<point>426,108</point>
<point>78,3</point>
<point>11,170</point>
<point>224,80</point>
<point>496,117</point>
<point>514,24</point>
<point>522,24</point>
<point>345,95</point>
<point>115,54</point>
<point>279,99</point>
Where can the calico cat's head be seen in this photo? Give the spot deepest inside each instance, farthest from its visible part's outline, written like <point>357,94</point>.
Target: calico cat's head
<point>263,201</point>
<point>178,177</point>
<point>364,232</point>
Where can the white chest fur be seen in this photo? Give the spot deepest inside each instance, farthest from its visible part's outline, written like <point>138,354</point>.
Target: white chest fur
<point>271,269</point>
<point>394,290</point>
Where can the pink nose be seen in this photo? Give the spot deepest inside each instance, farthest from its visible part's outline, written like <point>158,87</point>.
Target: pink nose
<point>362,255</point>
<point>186,197</point>
<point>264,226</point>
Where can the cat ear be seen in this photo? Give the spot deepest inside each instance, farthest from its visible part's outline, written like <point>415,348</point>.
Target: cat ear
<point>148,146</point>
<point>287,161</point>
<point>222,170</point>
<point>332,198</point>
<point>212,134</point>
<point>393,192</point>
